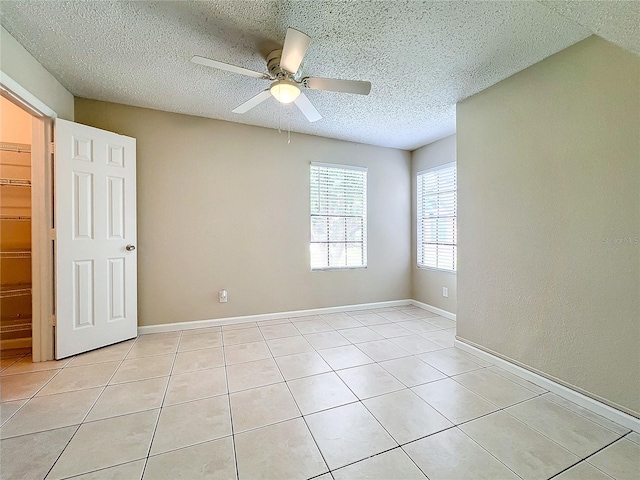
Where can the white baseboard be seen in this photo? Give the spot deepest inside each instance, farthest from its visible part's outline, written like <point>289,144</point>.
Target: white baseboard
<point>171,327</point>
<point>439,311</point>
<point>589,403</point>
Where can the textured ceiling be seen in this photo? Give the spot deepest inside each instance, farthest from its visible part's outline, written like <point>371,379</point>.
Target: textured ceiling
<point>421,57</point>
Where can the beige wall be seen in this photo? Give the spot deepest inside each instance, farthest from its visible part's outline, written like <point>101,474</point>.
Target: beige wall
<point>427,284</point>
<point>18,63</point>
<point>224,205</point>
<point>549,216</point>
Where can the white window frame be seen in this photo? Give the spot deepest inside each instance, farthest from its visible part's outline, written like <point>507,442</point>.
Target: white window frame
<point>420,216</point>
<point>319,214</point>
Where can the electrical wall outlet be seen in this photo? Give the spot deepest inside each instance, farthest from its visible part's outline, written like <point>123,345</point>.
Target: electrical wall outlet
<point>445,292</point>
<point>222,294</point>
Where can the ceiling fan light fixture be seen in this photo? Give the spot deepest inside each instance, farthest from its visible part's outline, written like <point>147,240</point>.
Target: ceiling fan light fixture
<point>285,91</point>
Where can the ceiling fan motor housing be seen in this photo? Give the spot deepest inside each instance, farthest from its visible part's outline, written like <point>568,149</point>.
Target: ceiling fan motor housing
<point>273,64</point>
<point>276,71</point>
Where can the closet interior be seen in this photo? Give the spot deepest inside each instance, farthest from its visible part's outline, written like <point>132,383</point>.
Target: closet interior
<point>15,230</point>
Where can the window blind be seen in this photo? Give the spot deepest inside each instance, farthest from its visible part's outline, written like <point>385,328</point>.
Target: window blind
<point>338,216</point>
<point>437,215</point>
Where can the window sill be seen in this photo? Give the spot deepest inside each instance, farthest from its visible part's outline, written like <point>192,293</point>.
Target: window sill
<point>333,269</point>
<point>442,270</point>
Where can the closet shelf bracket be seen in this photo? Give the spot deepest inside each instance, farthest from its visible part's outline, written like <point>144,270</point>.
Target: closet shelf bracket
<point>15,182</point>
<point>16,218</point>
<point>15,254</point>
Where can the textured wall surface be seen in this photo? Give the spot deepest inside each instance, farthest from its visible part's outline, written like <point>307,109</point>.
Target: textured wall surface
<point>222,205</point>
<point>549,216</point>
<point>16,62</point>
<point>426,285</point>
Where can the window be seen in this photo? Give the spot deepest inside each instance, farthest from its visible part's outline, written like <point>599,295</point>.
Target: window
<point>437,211</point>
<point>338,216</point>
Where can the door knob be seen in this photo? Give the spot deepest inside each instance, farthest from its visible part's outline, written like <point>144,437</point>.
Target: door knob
<point>130,248</point>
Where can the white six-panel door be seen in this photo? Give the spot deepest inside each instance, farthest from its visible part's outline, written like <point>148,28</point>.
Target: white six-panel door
<point>95,218</point>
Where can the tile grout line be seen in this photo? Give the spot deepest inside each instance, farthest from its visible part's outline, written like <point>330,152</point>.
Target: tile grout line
<point>68,391</point>
<point>486,450</point>
<point>100,469</point>
<point>589,456</point>
<point>499,409</point>
<point>358,400</point>
<point>99,396</point>
<point>551,439</point>
<point>440,431</point>
<point>166,388</point>
<point>587,418</point>
<point>16,360</point>
<point>413,386</point>
<point>100,419</point>
<point>399,445</point>
<point>39,389</point>
<point>372,456</point>
<point>503,409</point>
<point>326,464</point>
<point>456,425</point>
<point>226,376</point>
<point>46,383</point>
<point>63,450</point>
<point>104,388</point>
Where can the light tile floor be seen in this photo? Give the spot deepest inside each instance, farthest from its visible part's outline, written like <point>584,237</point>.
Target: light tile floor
<point>376,394</point>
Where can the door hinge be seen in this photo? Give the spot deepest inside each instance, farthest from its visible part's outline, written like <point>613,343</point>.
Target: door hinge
<point>52,146</point>
<point>53,320</point>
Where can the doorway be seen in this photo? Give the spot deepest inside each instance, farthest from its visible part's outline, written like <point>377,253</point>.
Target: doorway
<point>15,231</point>
<point>89,175</point>
<point>26,233</point>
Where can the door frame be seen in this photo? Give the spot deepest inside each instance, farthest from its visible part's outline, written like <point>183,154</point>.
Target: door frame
<point>42,241</point>
<point>42,219</point>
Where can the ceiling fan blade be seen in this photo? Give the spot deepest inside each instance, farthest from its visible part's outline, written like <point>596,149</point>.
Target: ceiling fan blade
<point>252,102</point>
<point>307,108</point>
<point>336,85</point>
<point>295,46</point>
<point>207,62</point>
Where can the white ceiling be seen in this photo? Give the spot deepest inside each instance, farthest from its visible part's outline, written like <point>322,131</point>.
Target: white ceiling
<point>421,57</point>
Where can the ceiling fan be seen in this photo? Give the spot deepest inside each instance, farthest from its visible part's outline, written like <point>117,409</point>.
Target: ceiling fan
<point>286,81</point>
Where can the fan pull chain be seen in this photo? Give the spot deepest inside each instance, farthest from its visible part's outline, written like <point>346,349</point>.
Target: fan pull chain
<point>279,120</point>
<point>289,125</point>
